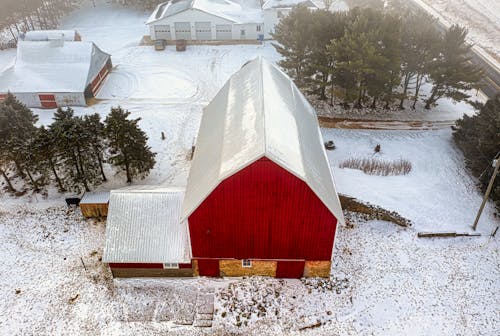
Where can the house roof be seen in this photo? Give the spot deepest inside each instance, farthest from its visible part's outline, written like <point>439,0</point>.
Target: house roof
<point>259,112</point>
<point>101,197</point>
<point>236,11</point>
<point>288,4</point>
<point>45,35</point>
<point>52,66</point>
<point>144,226</point>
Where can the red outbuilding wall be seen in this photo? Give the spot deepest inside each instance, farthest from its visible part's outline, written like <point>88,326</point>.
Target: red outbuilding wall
<point>262,212</point>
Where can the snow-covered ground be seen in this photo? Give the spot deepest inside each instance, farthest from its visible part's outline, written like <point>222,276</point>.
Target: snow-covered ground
<point>385,280</point>
<point>482,17</point>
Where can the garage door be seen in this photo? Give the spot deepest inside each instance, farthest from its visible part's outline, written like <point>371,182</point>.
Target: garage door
<point>203,30</point>
<point>182,31</point>
<point>223,32</point>
<point>162,32</point>
<point>47,100</point>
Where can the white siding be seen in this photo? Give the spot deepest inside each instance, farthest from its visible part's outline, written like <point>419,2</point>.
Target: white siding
<point>62,98</point>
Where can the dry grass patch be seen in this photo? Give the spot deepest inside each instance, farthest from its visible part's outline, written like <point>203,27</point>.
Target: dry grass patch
<point>374,166</point>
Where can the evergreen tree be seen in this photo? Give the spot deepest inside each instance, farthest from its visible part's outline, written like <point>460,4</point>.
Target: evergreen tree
<point>452,72</point>
<point>95,129</point>
<point>74,147</point>
<point>128,144</point>
<point>46,153</point>
<point>479,139</point>
<point>292,35</point>
<point>17,132</point>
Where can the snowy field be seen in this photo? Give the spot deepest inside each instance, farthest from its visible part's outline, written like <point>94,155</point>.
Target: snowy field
<point>482,17</point>
<point>385,281</point>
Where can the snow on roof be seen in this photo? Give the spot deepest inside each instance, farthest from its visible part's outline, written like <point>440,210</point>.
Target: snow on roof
<point>101,197</point>
<point>45,35</point>
<point>51,66</point>
<point>237,11</point>
<point>144,226</point>
<point>259,112</point>
<point>288,4</point>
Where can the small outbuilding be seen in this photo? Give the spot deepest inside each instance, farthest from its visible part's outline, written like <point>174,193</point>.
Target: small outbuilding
<point>145,236</point>
<point>274,10</point>
<point>54,72</point>
<point>95,204</point>
<point>204,20</point>
<point>260,198</point>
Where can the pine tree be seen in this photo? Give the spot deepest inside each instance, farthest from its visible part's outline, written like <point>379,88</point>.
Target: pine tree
<point>292,35</point>
<point>18,131</point>
<point>479,139</point>
<point>128,144</point>
<point>95,129</point>
<point>46,153</point>
<point>452,72</point>
<point>74,147</point>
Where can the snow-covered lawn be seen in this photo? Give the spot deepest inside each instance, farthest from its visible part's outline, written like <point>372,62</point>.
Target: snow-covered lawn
<point>385,280</point>
<point>481,17</point>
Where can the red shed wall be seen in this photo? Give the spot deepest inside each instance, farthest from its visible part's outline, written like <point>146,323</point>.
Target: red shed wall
<point>262,212</point>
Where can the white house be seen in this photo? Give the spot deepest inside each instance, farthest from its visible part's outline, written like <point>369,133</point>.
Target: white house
<point>55,72</point>
<point>207,20</point>
<point>275,10</point>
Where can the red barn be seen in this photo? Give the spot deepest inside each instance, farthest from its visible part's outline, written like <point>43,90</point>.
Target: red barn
<point>260,198</point>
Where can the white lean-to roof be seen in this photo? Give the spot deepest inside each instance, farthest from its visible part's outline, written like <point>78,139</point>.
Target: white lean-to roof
<point>259,112</point>
<point>144,226</point>
<point>45,35</point>
<point>52,66</point>
<point>288,4</point>
<point>100,197</point>
<point>237,11</point>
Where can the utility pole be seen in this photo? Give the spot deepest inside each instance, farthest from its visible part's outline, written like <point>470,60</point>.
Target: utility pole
<point>496,164</point>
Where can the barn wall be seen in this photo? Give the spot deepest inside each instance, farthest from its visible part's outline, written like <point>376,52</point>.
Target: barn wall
<point>150,272</point>
<point>262,212</point>
<point>233,268</point>
<point>62,98</point>
<point>321,269</point>
<point>94,210</point>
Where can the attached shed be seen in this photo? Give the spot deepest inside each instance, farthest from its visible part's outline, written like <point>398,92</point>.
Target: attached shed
<point>145,236</point>
<point>53,73</point>
<point>95,204</point>
<point>260,198</point>
<point>206,20</point>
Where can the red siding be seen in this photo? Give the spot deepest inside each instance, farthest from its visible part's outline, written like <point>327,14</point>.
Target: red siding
<point>262,212</point>
<point>134,265</point>
<point>290,269</point>
<point>47,100</point>
<point>208,267</point>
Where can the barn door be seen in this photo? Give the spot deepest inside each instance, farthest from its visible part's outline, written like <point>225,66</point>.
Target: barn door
<point>290,269</point>
<point>208,267</point>
<point>47,100</point>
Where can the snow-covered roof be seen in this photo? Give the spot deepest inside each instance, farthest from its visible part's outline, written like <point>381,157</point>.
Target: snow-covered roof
<point>288,4</point>
<point>259,112</point>
<point>52,66</point>
<point>100,197</point>
<point>144,226</point>
<point>237,11</point>
<point>45,35</point>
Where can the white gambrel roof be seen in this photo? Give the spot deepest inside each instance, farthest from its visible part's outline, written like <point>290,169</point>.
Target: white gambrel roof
<point>144,226</point>
<point>236,11</point>
<point>259,112</point>
<point>53,66</point>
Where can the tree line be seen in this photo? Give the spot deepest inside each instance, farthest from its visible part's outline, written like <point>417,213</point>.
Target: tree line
<point>366,57</point>
<point>24,15</point>
<point>72,150</point>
